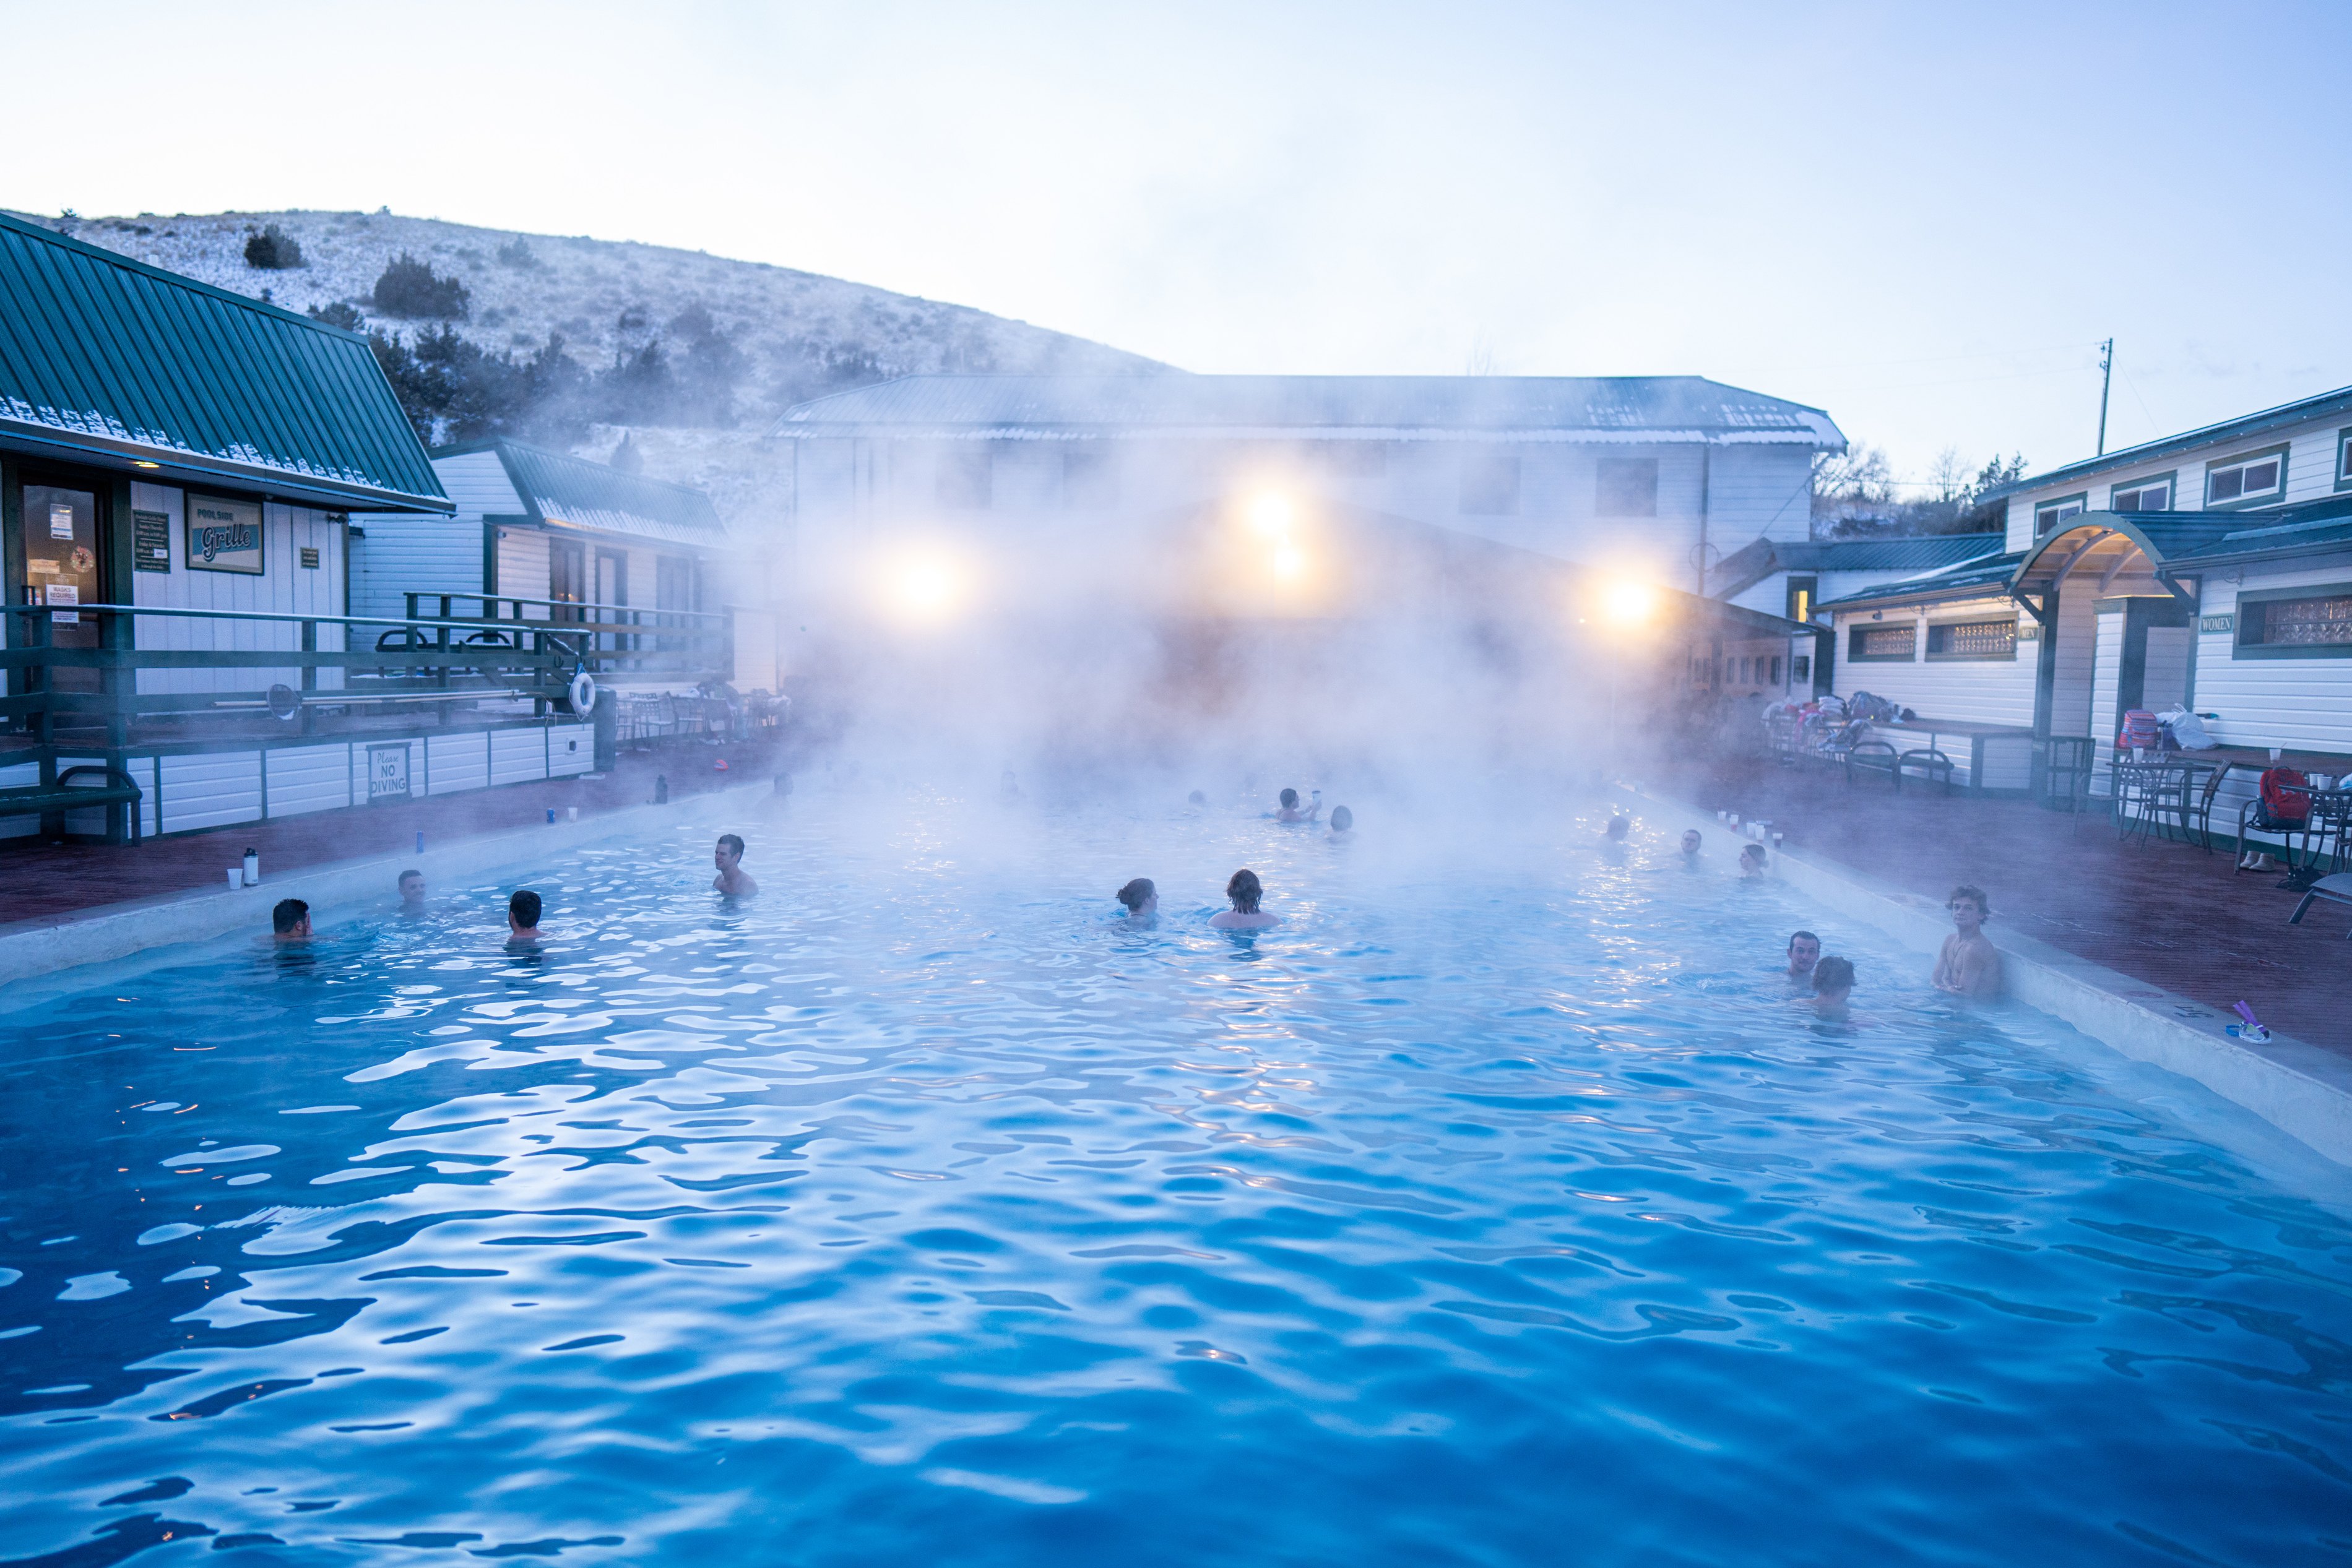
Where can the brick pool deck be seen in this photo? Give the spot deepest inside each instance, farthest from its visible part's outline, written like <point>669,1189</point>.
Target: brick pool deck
<point>2165,912</point>
<point>45,882</point>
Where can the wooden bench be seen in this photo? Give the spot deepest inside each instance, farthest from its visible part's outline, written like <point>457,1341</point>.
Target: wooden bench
<point>67,796</point>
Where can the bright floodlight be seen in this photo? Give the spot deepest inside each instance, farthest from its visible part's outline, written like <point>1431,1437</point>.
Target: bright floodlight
<point>1628,602</point>
<point>923,588</point>
<point>1270,513</point>
<point>1288,562</point>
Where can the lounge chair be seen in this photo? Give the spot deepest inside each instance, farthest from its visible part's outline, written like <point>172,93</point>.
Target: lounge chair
<point>2337,889</point>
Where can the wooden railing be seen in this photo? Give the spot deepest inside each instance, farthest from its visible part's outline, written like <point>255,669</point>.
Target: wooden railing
<point>424,663</point>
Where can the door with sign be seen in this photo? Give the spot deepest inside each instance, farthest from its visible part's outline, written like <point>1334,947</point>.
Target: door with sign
<point>58,543</point>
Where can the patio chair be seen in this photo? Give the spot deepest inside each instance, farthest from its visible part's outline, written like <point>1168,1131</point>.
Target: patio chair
<point>1930,762</point>
<point>2337,889</point>
<point>1873,756</point>
<point>2066,772</point>
<point>2197,816</point>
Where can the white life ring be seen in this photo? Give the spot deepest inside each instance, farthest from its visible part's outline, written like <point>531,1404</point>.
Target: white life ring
<point>582,693</point>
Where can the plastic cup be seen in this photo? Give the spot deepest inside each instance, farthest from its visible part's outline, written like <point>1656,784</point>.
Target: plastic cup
<point>236,877</point>
<point>575,813</point>
<point>2275,753</point>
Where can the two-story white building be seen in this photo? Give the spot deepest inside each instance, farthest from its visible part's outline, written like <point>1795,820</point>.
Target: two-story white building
<point>1650,476</point>
<point>2212,569</point>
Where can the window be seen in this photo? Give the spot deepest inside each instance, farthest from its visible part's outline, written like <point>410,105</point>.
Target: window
<point>1801,591</point>
<point>1882,644</point>
<point>1800,667</point>
<point>964,478</point>
<point>1626,488</point>
<point>1088,480</point>
<point>2153,494</point>
<point>2344,459</point>
<point>2050,514</point>
<point>2246,481</point>
<point>2313,623</point>
<point>1490,481</point>
<point>1973,640</point>
<point>1776,669</point>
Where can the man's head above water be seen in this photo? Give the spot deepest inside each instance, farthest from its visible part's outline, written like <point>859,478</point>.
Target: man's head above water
<point>1804,952</point>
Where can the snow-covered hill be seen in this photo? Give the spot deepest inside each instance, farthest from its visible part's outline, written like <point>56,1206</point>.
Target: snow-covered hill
<point>800,333</point>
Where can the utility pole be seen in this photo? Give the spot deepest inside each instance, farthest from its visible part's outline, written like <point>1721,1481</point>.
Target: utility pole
<point>2106,376</point>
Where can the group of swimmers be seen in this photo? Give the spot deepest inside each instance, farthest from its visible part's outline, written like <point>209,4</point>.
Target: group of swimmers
<point>290,918</point>
<point>1244,891</point>
<point>1968,965</point>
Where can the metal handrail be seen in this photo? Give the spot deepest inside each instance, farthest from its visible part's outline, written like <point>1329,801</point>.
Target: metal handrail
<point>452,622</point>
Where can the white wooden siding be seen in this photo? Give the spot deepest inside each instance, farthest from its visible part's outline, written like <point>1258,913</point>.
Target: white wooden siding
<point>517,755</point>
<point>2306,704</point>
<point>477,482</point>
<point>455,762</point>
<point>288,587</point>
<point>2077,633</point>
<point>2165,684</point>
<point>2106,680</point>
<point>423,555</point>
<point>2310,473</point>
<point>309,778</point>
<point>522,566</point>
<point>210,790</point>
<point>1968,690</point>
<point>571,749</point>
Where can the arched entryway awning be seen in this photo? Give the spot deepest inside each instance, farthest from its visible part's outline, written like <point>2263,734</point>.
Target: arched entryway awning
<point>2111,555</point>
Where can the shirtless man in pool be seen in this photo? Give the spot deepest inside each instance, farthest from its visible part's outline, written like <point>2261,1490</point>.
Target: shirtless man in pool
<point>1969,966</point>
<point>732,879</point>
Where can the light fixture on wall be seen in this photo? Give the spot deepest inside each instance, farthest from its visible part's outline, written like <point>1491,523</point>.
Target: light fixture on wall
<point>142,463</point>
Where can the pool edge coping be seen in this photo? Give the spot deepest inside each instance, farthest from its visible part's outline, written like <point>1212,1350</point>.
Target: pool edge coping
<point>108,932</point>
<point>2302,1090</point>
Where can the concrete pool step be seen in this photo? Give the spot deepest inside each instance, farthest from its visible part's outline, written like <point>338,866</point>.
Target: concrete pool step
<point>2304,1090</point>
<point>29,950</point>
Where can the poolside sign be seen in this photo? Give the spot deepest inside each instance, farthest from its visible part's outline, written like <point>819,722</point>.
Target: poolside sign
<point>388,772</point>
<point>224,534</point>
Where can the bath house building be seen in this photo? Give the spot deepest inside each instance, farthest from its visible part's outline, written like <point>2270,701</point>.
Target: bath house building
<point>1649,475</point>
<point>2211,570</point>
<point>179,467</point>
<point>548,532</point>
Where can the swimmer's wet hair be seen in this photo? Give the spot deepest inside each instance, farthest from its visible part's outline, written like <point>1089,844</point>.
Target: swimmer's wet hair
<point>288,914</point>
<point>1834,975</point>
<point>523,909</point>
<point>734,844</point>
<point>1619,826</point>
<point>1244,891</point>
<point>401,880</point>
<point>1196,798</point>
<point>1134,892</point>
<point>1797,936</point>
<point>1984,904</point>
<point>1343,818</point>
<point>1289,800</point>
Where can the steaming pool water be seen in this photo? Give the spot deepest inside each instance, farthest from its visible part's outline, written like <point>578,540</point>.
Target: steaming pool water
<point>1496,1208</point>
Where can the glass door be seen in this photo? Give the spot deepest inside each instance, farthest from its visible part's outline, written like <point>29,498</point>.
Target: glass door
<point>59,547</point>
<point>567,573</point>
<point>613,589</point>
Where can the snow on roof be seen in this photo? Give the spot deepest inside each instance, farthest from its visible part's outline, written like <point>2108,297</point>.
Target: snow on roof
<point>1513,408</point>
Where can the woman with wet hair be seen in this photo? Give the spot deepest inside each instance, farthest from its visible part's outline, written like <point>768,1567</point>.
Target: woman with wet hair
<point>1244,890</point>
<point>1142,900</point>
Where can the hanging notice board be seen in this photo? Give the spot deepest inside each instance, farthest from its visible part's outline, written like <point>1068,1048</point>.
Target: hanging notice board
<point>224,534</point>
<point>151,541</point>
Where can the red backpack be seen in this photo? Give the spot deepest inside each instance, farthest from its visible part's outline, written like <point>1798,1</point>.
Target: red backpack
<point>2285,801</point>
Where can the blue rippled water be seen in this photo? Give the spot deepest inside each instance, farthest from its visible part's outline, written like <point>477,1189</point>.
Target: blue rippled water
<point>1497,1209</point>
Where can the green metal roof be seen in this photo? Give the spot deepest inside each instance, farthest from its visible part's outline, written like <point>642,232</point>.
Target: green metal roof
<point>107,360</point>
<point>564,491</point>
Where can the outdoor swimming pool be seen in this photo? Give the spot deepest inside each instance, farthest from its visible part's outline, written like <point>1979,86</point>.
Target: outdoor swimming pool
<point>1497,1209</point>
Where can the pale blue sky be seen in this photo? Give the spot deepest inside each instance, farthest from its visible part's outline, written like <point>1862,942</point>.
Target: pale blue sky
<point>1919,217</point>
